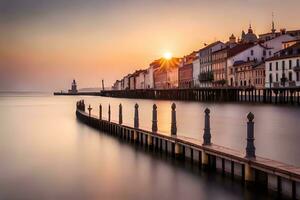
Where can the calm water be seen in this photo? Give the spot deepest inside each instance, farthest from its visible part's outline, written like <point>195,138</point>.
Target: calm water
<point>47,154</point>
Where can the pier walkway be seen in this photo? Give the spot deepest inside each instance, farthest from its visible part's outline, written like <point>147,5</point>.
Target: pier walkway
<point>245,166</point>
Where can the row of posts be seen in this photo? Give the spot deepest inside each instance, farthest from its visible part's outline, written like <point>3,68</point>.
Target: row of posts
<point>250,148</point>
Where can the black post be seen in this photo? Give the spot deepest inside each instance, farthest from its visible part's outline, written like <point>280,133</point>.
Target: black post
<point>207,134</point>
<point>90,109</point>
<point>173,120</point>
<point>154,119</point>
<point>250,149</point>
<point>136,116</point>
<point>120,114</point>
<point>100,112</point>
<point>109,112</point>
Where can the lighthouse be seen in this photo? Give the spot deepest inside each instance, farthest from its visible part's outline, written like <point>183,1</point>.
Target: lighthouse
<point>73,87</point>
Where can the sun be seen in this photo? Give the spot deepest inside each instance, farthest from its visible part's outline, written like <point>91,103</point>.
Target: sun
<point>167,55</point>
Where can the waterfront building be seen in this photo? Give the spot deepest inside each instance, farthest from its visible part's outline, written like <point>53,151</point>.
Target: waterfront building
<point>133,80</point>
<point>196,70</point>
<point>205,75</point>
<point>250,74</point>
<point>117,85</point>
<point>149,78</point>
<point>126,82</point>
<point>73,89</point>
<point>278,43</point>
<point>185,71</point>
<point>165,73</point>
<point>140,79</point>
<point>219,67</point>
<point>219,63</point>
<point>244,52</point>
<point>283,70</point>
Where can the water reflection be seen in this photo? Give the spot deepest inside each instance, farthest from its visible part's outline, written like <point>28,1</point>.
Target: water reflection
<point>47,154</point>
<point>275,126</point>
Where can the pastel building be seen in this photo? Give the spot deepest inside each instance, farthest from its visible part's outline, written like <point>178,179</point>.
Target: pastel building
<point>165,73</point>
<point>185,71</point>
<point>250,74</point>
<point>205,75</point>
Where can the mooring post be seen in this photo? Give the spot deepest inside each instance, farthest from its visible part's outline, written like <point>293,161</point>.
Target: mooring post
<point>154,119</point>
<point>120,114</point>
<point>250,149</point>
<point>207,134</point>
<point>109,112</point>
<point>90,109</point>
<point>100,112</point>
<point>136,116</point>
<point>173,120</point>
<point>206,137</point>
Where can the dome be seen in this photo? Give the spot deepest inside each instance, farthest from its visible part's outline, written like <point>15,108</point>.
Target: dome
<point>249,37</point>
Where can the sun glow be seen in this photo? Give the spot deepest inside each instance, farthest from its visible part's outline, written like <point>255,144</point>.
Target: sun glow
<point>168,55</point>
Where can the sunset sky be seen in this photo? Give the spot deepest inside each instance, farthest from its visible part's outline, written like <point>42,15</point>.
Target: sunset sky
<point>44,44</point>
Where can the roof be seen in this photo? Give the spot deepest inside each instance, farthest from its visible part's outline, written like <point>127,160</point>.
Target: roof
<point>220,50</point>
<point>253,63</point>
<point>291,31</point>
<point>284,55</point>
<point>210,45</point>
<point>241,62</point>
<point>239,48</point>
<point>259,64</point>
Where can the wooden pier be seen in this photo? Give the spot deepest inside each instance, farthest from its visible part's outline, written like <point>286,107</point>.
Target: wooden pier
<point>274,175</point>
<point>250,95</point>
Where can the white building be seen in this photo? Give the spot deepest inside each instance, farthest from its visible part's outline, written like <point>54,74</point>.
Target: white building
<point>253,52</point>
<point>149,84</point>
<point>243,53</point>
<point>126,82</point>
<point>140,79</point>
<point>276,44</point>
<point>283,70</point>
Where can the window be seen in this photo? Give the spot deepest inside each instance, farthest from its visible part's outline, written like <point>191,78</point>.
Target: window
<point>252,52</point>
<point>276,77</point>
<point>297,76</point>
<point>264,53</point>
<point>270,53</point>
<point>297,62</point>
<point>290,76</point>
<point>283,65</point>
<point>270,66</point>
<point>271,78</point>
<point>276,66</point>
<point>290,64</point>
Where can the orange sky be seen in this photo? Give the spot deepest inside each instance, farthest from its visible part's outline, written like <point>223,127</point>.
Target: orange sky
<point>45,44</point>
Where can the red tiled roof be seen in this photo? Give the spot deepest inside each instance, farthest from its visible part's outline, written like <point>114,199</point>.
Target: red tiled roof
<point>239,48</point>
